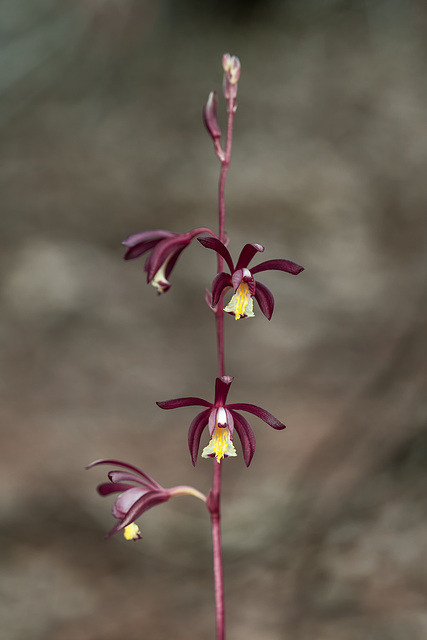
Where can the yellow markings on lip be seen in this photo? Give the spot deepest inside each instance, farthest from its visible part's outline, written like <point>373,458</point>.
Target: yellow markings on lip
<point>220,444</point>
<point>241,304</point>
<point>132,532</point>
<point>159,281</point>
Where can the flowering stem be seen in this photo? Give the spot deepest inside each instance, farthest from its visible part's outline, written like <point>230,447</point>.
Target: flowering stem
<point>219,319</point>
<point>225,163</point>
<point>217,553</point>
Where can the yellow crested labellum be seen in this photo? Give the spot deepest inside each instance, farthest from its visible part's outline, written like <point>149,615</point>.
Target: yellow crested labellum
<point>241,304</point>
<point>159,281</point>
<point>132,532</point>
<point>220,444</point>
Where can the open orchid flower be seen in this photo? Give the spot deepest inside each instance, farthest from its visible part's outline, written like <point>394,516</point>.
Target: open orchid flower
<point>242,280</point>
<point>138,493</point>
<point>222,419</point>
<point>165,248</point>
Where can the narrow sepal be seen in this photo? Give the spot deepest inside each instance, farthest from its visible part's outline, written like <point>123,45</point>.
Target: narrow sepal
<point>124,476</point>
<point>247,253</point>
<point>176,403</point>
<point>106,488</point>
<point>172,261</point>
<point>133,252</point>
<point>222,387</point>
<point>220,282</point>
<point>160,253</point>
<point>195,433</point>
<point>125,465</point>
<point>246,435</point>
<point>265,299</point>
<point>219,247</point>
<point>146,236</point>
<point>278,265</point>
<point>259,413</point>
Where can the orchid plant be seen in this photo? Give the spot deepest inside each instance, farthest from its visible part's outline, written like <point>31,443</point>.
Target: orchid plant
<point>137,491</point>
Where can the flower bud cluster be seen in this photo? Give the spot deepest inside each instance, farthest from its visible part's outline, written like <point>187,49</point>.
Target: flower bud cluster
<point>231,66</point>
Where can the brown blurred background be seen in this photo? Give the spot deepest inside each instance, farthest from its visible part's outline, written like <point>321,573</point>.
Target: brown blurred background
<point>325,536</point>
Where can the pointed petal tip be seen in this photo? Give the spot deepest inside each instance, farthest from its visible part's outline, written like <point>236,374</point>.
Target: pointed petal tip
<point>177,403</point>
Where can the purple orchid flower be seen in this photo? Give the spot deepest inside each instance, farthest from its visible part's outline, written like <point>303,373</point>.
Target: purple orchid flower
<point>165,248</point>
<point>242,279</point>
<point>138,493</point>
<point>222,419</point>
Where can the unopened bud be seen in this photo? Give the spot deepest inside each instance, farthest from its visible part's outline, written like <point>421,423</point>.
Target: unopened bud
<point>226,62</point>
<point>231,66</point>
<point>234,73</point>
<point>209,116</point>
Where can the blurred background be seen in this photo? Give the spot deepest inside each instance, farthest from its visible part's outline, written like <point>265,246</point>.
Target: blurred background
<point>325,536</point>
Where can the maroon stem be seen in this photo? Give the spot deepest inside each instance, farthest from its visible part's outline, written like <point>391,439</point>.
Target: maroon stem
<point>217,553</point>
<point>219,314</point>
<point>219,318</point>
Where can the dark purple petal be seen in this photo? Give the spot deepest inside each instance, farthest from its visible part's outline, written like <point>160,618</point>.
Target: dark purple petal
<point>118,463</point>
<point>212,421</point>
<point>222,387</point>
<point>236,279</point>
<point>145,236</point>
<point>220,282</point>
<point>259,413</point>
<point>265,299</point>
<point>183,402</point>
<point>149,500</point>
<point>172,262</point>
<point>246,435</point>
<point>219,247</point>
<point>239,276</point>
<point>139,249</point>
<point>247,253</point>
<point>112,487</point>
<point>123,476</point>
<point>195,432</point>
<point>230,421</point>
<point>126,500</point>
<point>278,265</point>
<point>162,251</point>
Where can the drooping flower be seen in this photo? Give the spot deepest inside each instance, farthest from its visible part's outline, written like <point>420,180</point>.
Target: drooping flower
<point>222,420</point>
<point>165,248</point>
<point>242,280</point>
<point>138,493</point>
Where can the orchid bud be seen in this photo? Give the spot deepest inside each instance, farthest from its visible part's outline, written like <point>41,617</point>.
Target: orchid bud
<point>234,72</point>
<point>226,62</point>
<point>231,66</point>
<point>209,116</point>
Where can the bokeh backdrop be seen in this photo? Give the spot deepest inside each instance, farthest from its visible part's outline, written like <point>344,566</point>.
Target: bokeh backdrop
<point>325,536</point>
